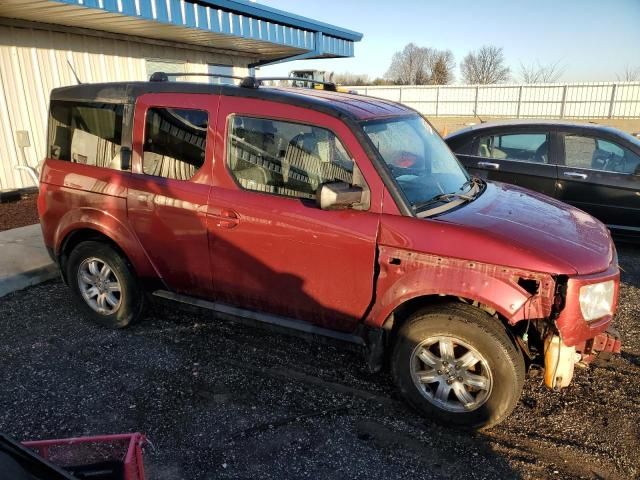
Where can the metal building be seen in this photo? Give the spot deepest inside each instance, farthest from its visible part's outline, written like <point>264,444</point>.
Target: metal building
<point>42,43</point>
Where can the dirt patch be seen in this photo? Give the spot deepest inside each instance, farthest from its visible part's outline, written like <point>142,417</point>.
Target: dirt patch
<point>224,400</point>
<point>19,213</point>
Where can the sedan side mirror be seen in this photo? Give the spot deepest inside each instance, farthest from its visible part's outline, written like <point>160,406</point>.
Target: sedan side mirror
<point>337,195</point>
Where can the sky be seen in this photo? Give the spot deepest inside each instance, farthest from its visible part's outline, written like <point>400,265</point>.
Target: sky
<point>594,40</point>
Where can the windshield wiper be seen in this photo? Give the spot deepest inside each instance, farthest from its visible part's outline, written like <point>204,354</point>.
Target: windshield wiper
<point>443,197</point>
<point>473,181</point>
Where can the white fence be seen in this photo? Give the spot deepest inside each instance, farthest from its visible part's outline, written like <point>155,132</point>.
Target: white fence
<point>552,100</point>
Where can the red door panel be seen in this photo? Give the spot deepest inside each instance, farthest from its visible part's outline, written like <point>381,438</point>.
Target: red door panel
<point>284,255</point>
<point>168,214</point>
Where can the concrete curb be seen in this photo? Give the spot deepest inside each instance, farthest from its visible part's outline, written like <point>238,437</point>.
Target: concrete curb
<point>28,279</point>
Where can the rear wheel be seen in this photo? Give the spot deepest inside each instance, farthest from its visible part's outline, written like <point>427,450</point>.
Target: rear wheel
<point>458,365</point>
<point>104,285</point>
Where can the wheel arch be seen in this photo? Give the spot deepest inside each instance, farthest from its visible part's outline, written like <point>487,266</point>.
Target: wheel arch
<point>80,235</point>
<point>389,328</point>
<point>88,224</point>
<point>407,308</point>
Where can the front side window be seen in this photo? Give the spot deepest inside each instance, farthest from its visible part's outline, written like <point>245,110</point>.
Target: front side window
<point>174,142</point>
<point>522,147</point>
<point>286,158</point>
<point>85,132</point>
<point>598,154</point>
<point>420,162</point>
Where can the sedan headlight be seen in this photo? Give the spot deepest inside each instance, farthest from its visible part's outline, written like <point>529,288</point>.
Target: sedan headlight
<point>596,300</point>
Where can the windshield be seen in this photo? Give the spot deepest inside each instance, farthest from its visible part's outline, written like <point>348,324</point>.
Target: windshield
<point>420,161</point>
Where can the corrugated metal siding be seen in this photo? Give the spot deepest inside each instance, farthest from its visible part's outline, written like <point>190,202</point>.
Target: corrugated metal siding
<point>192,22</point>
<point>33,61</point>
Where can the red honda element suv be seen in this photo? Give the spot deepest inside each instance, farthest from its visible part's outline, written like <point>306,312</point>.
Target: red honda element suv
<point>330,213</point>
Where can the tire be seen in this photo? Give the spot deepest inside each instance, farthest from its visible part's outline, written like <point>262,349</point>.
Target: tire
<point>486,365</point>
<point>104,305</point>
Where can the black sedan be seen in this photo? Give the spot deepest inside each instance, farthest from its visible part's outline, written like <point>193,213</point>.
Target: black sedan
<point>593,167</point>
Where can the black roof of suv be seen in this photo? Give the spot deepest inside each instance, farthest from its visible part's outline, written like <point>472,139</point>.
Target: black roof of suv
<point>352,106</point>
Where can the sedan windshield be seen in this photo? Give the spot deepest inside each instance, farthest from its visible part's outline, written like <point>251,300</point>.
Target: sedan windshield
<point>421,163</point>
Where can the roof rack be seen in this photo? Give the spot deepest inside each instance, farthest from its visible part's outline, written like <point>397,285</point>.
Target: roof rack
<point>327,85</point>
<point>245,82</point>
<point>164,77</point>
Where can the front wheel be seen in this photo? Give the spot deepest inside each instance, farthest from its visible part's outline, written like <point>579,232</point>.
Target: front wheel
<point>458,365</point>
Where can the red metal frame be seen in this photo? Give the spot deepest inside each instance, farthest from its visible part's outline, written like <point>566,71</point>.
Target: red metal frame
<point>133,465</point>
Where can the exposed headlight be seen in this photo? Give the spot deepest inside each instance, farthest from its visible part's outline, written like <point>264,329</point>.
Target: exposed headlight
<point>596,300</point>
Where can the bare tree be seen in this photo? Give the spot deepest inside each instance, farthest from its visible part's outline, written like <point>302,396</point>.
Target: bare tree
<point>409,66</point>
<point>416,66</point>
<point>351,79</point>
<point>629,74</point>
<point>485,66</point>
<point>381,81</point>
<point>538,73</point>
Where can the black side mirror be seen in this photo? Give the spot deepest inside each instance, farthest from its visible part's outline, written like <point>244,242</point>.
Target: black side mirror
<point>337,195</point>
<point>125,158</point>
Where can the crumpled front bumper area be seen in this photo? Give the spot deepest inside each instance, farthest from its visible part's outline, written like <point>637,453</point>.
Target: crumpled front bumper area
<point>573,329</point>
<point>607,341</point>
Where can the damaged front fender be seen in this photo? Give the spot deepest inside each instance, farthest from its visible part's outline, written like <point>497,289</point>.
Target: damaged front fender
<point>513,293</point>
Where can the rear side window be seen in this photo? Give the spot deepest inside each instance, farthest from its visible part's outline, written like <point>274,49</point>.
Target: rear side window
<point>286,158</point>
<point>174,142</point>
<point>87,133</point>
<point>522,147</point>
<point>599,154</point>
<point>460,146</point>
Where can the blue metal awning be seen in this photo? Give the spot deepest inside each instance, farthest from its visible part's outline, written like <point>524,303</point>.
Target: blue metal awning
<point>266,33</point>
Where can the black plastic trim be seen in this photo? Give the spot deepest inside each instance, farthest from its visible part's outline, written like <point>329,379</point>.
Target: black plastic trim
<point>271,319</point>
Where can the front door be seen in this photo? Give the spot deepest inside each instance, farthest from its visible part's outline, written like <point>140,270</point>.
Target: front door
<point>601,177</point>
<point>272,249</point>
<point>170,185</point>
<point>523,158</point>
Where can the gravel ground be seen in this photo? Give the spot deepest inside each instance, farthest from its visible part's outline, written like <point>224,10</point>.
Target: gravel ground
<point>224,400</point>
<point>19,213</point>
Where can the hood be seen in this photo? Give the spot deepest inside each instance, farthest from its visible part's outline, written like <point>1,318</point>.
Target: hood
<point>570,239</point>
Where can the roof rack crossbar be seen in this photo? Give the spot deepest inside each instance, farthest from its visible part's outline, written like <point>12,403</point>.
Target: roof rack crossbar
<point>328,85</point>
<point>164,77</point>
<point>245,82</point>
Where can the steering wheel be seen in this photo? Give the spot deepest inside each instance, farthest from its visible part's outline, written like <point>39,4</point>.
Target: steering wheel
<point>615,163</point>
<point>406,163</point>
<point>404,159</point>
<point>541,153</point>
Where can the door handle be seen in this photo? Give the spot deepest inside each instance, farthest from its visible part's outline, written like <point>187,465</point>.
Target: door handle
<point>581,176</point>
<point>225,219</point>
<point>493,166</point>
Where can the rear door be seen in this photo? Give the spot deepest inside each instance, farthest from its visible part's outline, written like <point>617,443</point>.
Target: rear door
<point>521,157</point>
<point>170,185</point>
<point>272,249</point>
<point>600,175</point>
